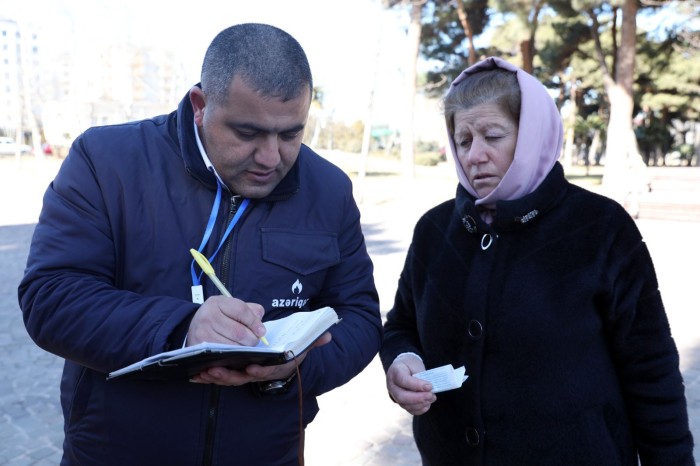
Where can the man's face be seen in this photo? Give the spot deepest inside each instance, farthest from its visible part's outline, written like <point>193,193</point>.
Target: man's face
<point>252,140</point>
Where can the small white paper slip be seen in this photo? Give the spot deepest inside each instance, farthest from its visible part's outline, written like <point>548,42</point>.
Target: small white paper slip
<point>444,378</point>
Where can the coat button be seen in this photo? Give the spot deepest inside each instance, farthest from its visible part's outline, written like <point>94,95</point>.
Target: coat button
<point>475,329</point>
<point>469,223</point>
<point>472,436</point>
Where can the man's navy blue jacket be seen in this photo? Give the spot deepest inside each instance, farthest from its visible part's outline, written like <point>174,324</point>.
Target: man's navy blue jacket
<point>108,283</point>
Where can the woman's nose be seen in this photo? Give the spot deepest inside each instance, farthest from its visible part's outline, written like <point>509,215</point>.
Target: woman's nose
<point>478,152</point>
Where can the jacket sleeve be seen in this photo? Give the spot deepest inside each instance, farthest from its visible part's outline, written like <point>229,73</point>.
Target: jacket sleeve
<point>70,301</point>
<point>401,326</point>
<point>645,353</point>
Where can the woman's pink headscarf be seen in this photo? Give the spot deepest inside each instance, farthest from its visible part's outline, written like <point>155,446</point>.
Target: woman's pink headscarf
<point>540,137</point>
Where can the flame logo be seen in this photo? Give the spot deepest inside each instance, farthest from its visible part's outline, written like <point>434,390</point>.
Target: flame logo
<point>296,287</point>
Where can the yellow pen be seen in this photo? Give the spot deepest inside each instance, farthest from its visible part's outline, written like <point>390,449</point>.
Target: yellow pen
<point>209,270</point>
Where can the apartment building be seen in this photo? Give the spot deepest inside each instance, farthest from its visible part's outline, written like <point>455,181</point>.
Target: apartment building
<point>87,83</point>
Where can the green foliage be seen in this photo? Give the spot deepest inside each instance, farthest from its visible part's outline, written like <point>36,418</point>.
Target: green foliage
<point>653,133</point>
<point>563,8</point>
<point>669,78</point>
<point>684,81</point>
<point>348,138</point>
<point>667,60</point>
<point>429,153</point>
<point>559,39</point>
<point>443,38</point>
<point>507,37</point>
<point>589,124</point>
<point>336,135</point>
<point>429,159</point>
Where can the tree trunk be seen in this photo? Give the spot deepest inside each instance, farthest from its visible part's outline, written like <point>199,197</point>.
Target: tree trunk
<point>414,32</point>
<point>624,176</point>
<point>527,46</point>
<point>367,133</point>
<point>527,54</point>
<point>464,21</point>
<point>569,143</point>
<point>593,156</point>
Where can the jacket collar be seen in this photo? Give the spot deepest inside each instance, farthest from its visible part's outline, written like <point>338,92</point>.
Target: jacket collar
<point>195,166</point>
<point>518,213</point>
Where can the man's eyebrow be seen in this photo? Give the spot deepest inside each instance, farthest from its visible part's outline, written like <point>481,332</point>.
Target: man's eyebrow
<point>259,129</point>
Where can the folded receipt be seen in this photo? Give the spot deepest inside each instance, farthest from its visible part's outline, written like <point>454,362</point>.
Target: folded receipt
<point>444,378</point>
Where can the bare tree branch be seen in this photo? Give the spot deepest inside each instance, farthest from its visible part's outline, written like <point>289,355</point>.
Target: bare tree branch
<point>607,77</point>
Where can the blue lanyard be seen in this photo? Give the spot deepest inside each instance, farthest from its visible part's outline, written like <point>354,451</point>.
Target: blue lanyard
<point>210,227</point>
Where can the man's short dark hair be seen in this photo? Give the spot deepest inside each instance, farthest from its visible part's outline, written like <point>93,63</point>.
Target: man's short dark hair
<point>269,59</point>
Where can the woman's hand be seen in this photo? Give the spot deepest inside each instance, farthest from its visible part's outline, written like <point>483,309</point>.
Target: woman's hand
<point>411,393</point>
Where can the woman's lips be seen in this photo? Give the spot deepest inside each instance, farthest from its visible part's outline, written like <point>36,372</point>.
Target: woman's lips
<point>483,176</point>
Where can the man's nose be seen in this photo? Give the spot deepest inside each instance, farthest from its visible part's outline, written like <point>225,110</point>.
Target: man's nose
<point>268,151</point>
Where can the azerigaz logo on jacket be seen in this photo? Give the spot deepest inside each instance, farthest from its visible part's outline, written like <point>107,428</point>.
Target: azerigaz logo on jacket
<point>295,301</point>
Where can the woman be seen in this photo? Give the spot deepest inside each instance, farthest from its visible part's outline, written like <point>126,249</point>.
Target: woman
<point>543,290</point>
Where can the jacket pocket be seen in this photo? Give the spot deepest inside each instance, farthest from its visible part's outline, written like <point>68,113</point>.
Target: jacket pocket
<point>302,252</point>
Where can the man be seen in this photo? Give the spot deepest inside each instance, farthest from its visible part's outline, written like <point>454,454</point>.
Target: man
<point>110,279</point>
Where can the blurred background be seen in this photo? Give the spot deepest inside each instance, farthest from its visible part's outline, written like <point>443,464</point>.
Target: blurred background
<point>625,75</point>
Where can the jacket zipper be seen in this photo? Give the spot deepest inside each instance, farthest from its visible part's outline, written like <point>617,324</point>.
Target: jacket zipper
<point>212,413</point>
<point>211,425</point>
<point>226,259</point>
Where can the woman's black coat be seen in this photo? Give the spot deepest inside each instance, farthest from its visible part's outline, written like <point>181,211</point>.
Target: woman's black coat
<point>555,311</point>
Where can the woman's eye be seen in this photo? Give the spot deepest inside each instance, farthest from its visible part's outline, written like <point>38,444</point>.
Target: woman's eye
<point>465,143</point>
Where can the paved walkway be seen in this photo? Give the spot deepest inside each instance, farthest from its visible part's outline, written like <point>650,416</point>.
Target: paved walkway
<point>358,425</point>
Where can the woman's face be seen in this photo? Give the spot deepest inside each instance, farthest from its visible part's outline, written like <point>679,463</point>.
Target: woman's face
<point>485,139</point>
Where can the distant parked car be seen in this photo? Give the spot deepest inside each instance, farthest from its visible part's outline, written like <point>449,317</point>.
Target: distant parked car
<point>8,146</point>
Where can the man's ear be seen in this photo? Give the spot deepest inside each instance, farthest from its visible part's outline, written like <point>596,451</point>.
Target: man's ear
<point>198,101</point>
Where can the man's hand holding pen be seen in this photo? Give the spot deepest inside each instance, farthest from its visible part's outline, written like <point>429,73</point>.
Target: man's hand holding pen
<point>227,320</point>
<point>230,321</point>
